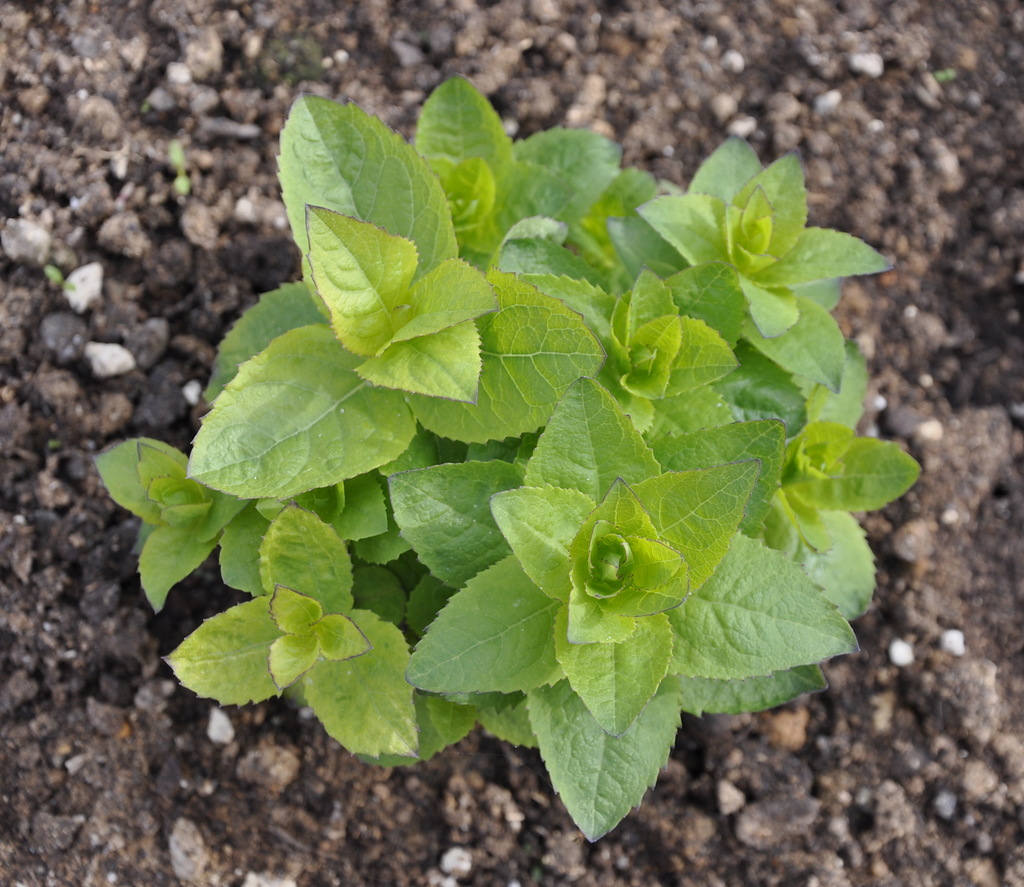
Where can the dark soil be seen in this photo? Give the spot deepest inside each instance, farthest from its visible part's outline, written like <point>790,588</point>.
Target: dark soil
<point>908,775</point>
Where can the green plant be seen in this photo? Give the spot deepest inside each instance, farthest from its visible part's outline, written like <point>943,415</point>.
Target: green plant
<point>177,161</point>
<point>533,444</point>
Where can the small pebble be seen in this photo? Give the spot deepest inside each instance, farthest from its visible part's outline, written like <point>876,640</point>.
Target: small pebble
<point>178,74</point>
<point>64,336</point>
<point>723,106</point>
<point>107,359</point>
<point>220,729</point>
<point>733,62</point>
<point>742,127</point>
<point>827,102</point>
<point>871,64</point>
<point>900,653</point>
<point>189,856</point>
<point>25,241</point>
<point>192,391</point>
<point>730,799</point>
<point>952,641</point>
<point>457,861</point>
<point>945,804</point>
<point>930,431</point>
<point>84,286</point>
<point>148,341</point>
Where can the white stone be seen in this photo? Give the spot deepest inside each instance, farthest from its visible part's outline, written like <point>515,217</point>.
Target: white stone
<point>952,641</point>
<point>220,728</point>
<point>827,102</point>
<point>870,64</point>
<point>107,359</point>
<point>84,286</point>
<point>192,391</point>
<point>178,74</point>
<point>929,430</point>
<point>457,861</point>
<point>900,653</point>
<point>742,127</point>
<point>26,241</point>
<point>255,880</point>
<point>733,62</point>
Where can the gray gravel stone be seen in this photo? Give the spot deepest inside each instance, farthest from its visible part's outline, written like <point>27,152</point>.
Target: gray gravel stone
<point>64,335</point>
<point>148,342</point>
<point>189,856</point>
<point>764,824</point>
<point>26,241</point>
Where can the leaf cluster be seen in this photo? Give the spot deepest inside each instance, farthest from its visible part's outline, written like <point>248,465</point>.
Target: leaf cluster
<point>536,443</point>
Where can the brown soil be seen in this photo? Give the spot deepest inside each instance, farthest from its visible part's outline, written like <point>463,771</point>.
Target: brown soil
<point>895,776</point>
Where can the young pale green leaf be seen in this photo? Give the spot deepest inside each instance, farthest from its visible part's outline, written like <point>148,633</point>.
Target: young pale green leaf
<point>760,389</point>
<point>168,556</point>
<point>294,612</point>
<point>729,167</point>
<point>340,638</point>
<point>240,551</point>
<point>705,695</point>
<point>363,274</point>
<point>588,443</point>
<point>539,523</point>
<point>444,513</point>
<point>441,723</point>
<point>711,292</point>
<point>497,634</point>
<point>119,469</point>
<point>820,253</point>
<point>286,308</point>
<point>758,614</point>
<point>616,681</point>
<point>297,417</point>
<point>813,347</point>
<point>458,123</point>
<point>782,184</point>
<point>590,622</point>
<point>764,440</point>
<point>510,724</point>
<point>581,296</point>
<point>300,552</point>
<point>382,549</point>
<point>599,777</point>
<point>290,657</point>
<point>364,702</point>
<point>697,512</point>
<point>773,310</point>
<point>226,657</point>
<point>533,348</point>
<point>847,405</point>
<point>874,473</point>
<point>703,358</point>
<point>338,157</point>
<point>694,224</point>
<point>452,293</point>
<point>703,408</point>
<point>539,255</point>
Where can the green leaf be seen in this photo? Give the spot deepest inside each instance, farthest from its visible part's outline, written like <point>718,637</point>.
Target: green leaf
<point>773,310</point>
<point>758,614</point>
<point>497,634</point>
<point>711,292</point>
<point>539,523</point>
<point>338,157</point>
<point>814,347</point>
<point>583,160</point>
<point>873,474</point>
<point>302,553</point>
<point>365,703</point>
<point>441,723</point>
<point>821,253</point>
<point>426,600</point>
<point>443,364</point>
<point>240,551</point>
<point>340,638</point>
<point>294,612</point>
<point>291,656</point>
<point>226,657</point>
<point>763,440</point>
<point>533,348</point>
<point>365,513</point>
<point>511,724</point>
<point>761,390</point>
<point>457,123</point>
<point>846,571</point>
<point>599,777</point>
<point>168,556</point>
<point>377,588</point>
<point>588,443</point>
<point>119,470</point>
<point>703,357</point>
<point>640,246</point>
<point>847,405</point>
<point>444,513</point>
<point>703,695</point>
<point>363,274</point>
<point>698,511</point>
<point>694,224</point>
<point>616,681</point>
<point>452,293</point>
<point>728,168</point>
<point>782,184</point>
<point>286,308</point>
<point>297,417</point>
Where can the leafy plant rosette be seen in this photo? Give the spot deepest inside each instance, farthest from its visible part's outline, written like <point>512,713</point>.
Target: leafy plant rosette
<point>538,443</point>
